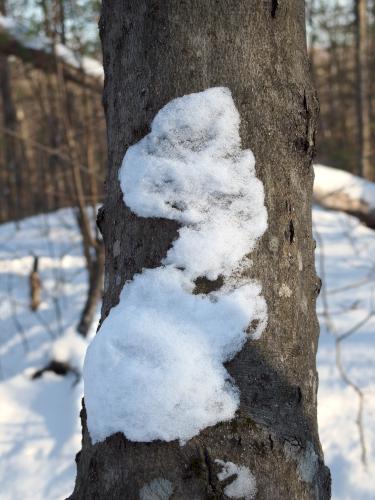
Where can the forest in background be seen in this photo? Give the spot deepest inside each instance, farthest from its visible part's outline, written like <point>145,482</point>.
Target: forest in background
<point>52,131</point>
<point>341,43</point>
<point>52,128</point>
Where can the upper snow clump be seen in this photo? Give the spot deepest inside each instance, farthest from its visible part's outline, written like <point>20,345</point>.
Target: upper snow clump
<point>191,168</point>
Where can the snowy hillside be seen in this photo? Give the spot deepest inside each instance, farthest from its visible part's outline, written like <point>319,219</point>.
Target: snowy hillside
<point>39,422</point>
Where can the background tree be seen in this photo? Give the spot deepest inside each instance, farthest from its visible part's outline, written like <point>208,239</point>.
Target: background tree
<point>154,51</point>
<point>13,151</point>
<point>362,91</point>
<point>341,42</point>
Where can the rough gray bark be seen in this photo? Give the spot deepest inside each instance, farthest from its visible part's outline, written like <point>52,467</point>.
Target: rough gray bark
<point>155,51</point>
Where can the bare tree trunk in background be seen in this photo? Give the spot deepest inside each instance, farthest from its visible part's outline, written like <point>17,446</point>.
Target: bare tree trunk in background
<point>362,90</point>
<point>13,152</point>
<point>61,17</point>
<point>35,286</point>
<point>96,265</point>
<point>155,51</point>
<point>95,269</point>
<point>93,247</point>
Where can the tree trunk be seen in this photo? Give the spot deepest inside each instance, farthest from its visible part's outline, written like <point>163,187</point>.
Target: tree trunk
<point>362,91</point>
<point>95,275</point>
<point>155,51</point>
<point>14,156</point>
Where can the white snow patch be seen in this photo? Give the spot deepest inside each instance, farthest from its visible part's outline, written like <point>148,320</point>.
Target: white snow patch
<point>329,181</point>
<point>70,348</point>
<point>155,369</point>
<point>157,489</point>
<point>244,486</point>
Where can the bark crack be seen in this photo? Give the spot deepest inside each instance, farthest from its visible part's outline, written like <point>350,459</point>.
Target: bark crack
<point>209,466</point>
<point>311,107</point>
<point>274,7</point>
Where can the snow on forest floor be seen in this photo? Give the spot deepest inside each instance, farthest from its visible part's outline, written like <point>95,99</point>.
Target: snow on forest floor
<point>345,260</point>
<point>39,420</point>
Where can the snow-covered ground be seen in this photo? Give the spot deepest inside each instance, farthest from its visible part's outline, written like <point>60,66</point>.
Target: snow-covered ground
<point>39,419</point>
<point>345,260</point>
